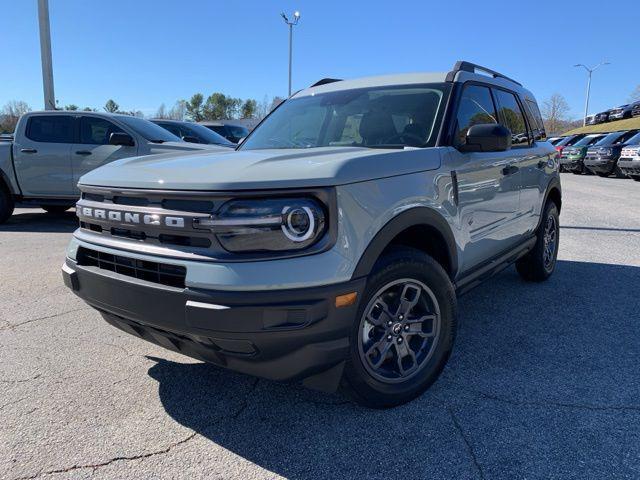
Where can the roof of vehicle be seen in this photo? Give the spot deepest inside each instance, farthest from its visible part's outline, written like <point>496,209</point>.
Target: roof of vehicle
<point>168,120</point>
<point>235,123</point>
<point>462,72</point>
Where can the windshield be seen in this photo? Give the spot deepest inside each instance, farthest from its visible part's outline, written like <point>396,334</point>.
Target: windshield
<point>609,139</point>
<point>149,131</point>
<point>588,140</point>
<point>376,117</point>
<point>635,140</point>
<point>238,131</point>
<point>206,135</point>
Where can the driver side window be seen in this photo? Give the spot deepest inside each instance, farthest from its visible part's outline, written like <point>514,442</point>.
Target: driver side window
<point>476,106</point>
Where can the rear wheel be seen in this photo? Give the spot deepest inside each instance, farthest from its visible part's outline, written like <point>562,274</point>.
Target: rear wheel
<point>602,174</point>
<point>6,204</point>
<point>56,209</point>
<point>539,263</point>
<point>404,331</point>
<point>636,177</point>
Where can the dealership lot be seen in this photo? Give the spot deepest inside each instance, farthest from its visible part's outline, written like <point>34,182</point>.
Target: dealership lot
<point>543,381</point>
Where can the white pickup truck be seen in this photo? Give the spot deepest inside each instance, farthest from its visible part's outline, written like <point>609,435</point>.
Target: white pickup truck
<point>51,150</point>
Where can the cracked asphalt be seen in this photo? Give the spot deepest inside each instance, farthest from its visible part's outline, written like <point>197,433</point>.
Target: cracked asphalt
<point>544,381</point>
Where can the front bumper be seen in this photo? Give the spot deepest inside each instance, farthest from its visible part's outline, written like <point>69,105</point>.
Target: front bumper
<point>629,166</point>
<point>282,335</point>
<point>573,164</point>
<point>600,164</point>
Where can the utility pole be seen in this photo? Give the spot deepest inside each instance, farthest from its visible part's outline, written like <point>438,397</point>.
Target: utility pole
<point>296,17</point>
<point>45,54</point>
<point>586,103</point>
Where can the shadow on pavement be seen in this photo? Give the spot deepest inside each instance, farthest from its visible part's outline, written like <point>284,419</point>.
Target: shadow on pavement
<point>40,221</point>
<point>543,381</point>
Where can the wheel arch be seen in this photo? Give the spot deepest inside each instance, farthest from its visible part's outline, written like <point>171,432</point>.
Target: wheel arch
<point>419,227</point>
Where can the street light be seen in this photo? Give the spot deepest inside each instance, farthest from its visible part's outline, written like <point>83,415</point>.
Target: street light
<point>291,23</point>
<point>590,71</point>
<point>45,55</point>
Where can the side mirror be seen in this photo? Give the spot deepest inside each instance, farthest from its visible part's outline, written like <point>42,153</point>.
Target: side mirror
<point>121,138</point>
<point>487,137</point>
<point>191,139</point>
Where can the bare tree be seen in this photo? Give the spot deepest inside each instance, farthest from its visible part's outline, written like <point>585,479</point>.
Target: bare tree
<point>262,108</point>
<point>554,113</point>
<point>11,113</point>
<point>178,111</point>
<point>635,95</point>
<point>162,112</point>
<point>275,102</point>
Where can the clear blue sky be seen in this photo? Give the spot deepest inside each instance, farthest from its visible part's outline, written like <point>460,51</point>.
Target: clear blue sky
<point>143,53</point>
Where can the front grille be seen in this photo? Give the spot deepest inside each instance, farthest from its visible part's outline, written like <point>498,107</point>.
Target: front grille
<point>162,273</point>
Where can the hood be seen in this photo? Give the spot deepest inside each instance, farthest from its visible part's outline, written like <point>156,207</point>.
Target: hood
<point>261,169</point>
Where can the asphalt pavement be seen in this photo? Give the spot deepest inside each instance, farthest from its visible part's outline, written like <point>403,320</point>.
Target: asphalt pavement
<point>544,381</point>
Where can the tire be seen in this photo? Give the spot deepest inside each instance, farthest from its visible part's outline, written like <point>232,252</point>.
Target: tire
<point>55,209</point>
<point>602,174</point>
<point>576,172</point>
<point>535,266</point>
<point>619,173</point>
<point>415,276</point>
<point>636,178</point>
<point>6,204</point>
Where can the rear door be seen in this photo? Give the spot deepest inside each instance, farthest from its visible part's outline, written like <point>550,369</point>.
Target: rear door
<point>43,156</point>
<point>488,194</point>
<point>93,148</point>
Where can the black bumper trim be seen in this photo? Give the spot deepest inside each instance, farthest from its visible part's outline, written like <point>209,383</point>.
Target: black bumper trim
<point>283,335</point>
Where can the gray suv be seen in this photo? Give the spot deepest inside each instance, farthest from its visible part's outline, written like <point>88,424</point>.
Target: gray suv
<point>329,248</point>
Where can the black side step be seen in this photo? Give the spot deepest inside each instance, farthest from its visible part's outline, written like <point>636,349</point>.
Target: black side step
<point>478,275</point>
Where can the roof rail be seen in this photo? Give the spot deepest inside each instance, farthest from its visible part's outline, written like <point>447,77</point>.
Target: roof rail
<point>324,81</point>
<point>463,66</point>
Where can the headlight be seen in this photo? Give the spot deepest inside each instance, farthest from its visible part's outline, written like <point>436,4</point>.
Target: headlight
<point>267,225</point>
<point>605,151</point>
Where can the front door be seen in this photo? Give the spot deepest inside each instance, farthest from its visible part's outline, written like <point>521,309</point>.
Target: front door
<point>93,149</point>
<point>43,156</point>
<point>487,184</point>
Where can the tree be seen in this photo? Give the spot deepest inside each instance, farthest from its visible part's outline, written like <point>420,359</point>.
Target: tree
<point>162,112</point>
<point>11,113</point>
<point>194,107</point>
<point>72,107</point>
<point>111,106</point>
<point>635,95</point>
<point>554,113</point>
<point>178,110</point>
<point>248,109</point>
<point>218,106</point>
<point>275,102</point>
<point>262,109</point>
<point>89,109</point>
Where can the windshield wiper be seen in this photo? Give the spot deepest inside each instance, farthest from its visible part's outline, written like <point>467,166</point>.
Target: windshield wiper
<point>157,141</point>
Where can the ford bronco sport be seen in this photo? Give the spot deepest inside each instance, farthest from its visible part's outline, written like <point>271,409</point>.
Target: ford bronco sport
<point>330,246</point>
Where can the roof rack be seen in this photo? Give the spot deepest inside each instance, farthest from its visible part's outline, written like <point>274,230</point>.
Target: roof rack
<point>324,81</point>
<point>463,66</point>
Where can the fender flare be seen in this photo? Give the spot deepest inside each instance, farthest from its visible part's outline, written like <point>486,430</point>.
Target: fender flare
<point>416,216</point>
<point>554,184</point>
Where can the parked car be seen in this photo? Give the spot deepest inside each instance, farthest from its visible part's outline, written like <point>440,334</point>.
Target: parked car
<point>602,117</point>
<point>233,132</point>
<point>554,140</point>
<point>332,253</point>
<point>567,142</point>
<point>51,150</point>
<point>572,158</point>
<point>629,161</point>
<point>590,120</point>
<point>193,132</point>
<point>621,112</point>
<point>602,157</point>
<point>635,111</point>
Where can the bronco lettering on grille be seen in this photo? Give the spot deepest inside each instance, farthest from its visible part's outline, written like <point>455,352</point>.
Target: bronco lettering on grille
<point>130,217</point>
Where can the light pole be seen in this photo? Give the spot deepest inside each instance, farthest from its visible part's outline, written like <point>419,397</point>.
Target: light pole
<point>291,23</point>
<point>590,71</point>
<point>45,55</point>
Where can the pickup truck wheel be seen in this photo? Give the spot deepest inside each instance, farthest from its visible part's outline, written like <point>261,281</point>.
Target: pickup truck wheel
<point>56,209</point>
<point>404,331</point>
<point>539,263</point>
<point>6,204</point>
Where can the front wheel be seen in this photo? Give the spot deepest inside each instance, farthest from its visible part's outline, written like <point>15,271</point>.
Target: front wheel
<point>56,209</point>
<point>404,331</point>
<point>636,177</point>
<point>6,205</point>
<point>539,263</point>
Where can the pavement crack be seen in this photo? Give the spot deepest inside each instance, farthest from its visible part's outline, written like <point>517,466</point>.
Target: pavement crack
<point>22,380</point>
<point>12,402</point>
<point>16,325</point>
<point>97,466</point>
<point>245,401</point>
<point>467,443</point>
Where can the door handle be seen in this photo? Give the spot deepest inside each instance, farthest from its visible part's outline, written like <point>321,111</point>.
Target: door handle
<point>28,150</point>
<point>83,152</point>
<point>509,170</point>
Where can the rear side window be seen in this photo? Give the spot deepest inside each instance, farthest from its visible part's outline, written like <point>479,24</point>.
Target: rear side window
<point>96,131</point>
<point>50,129</point>
<point>511,116</point>
<point>476,107</point>
<point>535,120</point>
